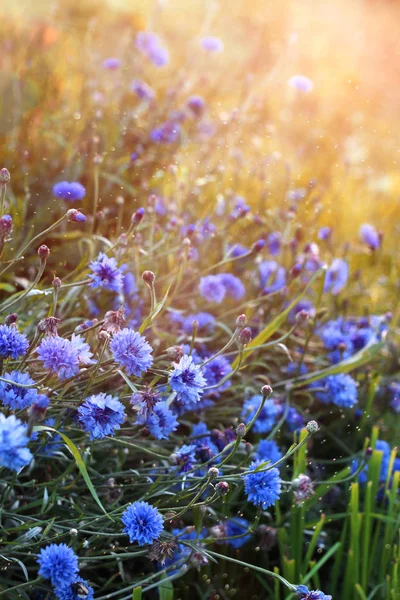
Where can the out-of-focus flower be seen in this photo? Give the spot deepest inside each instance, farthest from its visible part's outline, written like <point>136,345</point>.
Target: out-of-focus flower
<point>336,276</point>
<point>301,83</point>
<point>69,190</point>
<point>15,396</point>
<point>212,44</point>
<point>369,236</point>
<point>13,441</point>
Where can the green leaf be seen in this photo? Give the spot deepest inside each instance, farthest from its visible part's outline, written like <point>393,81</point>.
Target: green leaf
<point>166,590</point>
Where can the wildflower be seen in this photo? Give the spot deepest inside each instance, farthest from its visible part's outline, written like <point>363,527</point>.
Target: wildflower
<point>12,343</point>
<point>274,243</point>
<point>215,371</point>
<point>5,225</point>
<point>205,322</point>
<point>262,488</point>
<point>338,389</point>
<point>60,356</point>
<point>58,563</point>
<point>69,190</point>
<point>184,457</point>
<point>369,236</point>
<point>106,274</point>
<point>49,325</point>
<point>100,415</point>
<point>79,589</point>
<point>162,551</point>
<point>143,523</point>
<point>112,64</point>
<point>272,276</point>
<point>267,417</point>
<point>75,216</point>
<point>13,441</point>
<point>336,276</point>
<point>301,83</point>
<point>212,44</point>
<point>83,350</point>
<point>166,133</point>
<point>303,488</point>
<point>132,351</point>
<point>15,396</point>
<point>150,45</point>
<point>233,286</point>
<point>212,288</point>
<point>222,488</point>
<point>187,381</point>
<point>4,176</point>
<point>236,528</point>
<point>325,233</point>
<point>114,320</point>
<point>196,105</point>
<point>303,593</point>
<point>312,427</point>
<point>294,420</point>
<point>143,90</point>
<point>39,407</point>
<point>161,421</point>
<point>237,250</point>
<point>53,444</point>
<point>268,450</point>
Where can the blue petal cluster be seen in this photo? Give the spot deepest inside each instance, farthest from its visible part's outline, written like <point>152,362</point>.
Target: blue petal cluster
<point>237,527</point>
<point>143,523</point>
<point>262,488</point>
<point>69,190</point>
<point>268,450</point>
<point>60,356</point>
<point>58,563</point>
<point>149,44</point>
<point>369,236</point>
<point>13,441</point>
<point>268,415</point>
<point>12,343</point>
<point>71,591</point>
<point>272,276</point>
<point>215,371</point>
<point>100,415</point>
<point>336,276</point>
<point>214,288</point>
<point>15,396</point>
<point>132,351</point>
<point>187,381</point>
<point>303,593</point>
<point>340,390</point>
<point>160,422</point>
<point>106,273</point>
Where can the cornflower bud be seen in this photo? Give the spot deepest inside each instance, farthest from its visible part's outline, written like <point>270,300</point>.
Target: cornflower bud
<point>43,252</point>
<point>266,391</point>
<point>75,216</point>
<point>245,336</point>
<point>11,319</point>
<point>56,283</point>
<point>148,277</point>
<point>137,216</point>
<point>312,427</point>
<point>222,488</point>
<point>213,473</point>
<point>4,176</point>
<point>241,430</point>
<point>241,321</point>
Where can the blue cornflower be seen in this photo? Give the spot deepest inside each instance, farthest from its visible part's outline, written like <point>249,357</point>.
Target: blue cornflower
<point>336,276</point>
<point>274,243</point>
<point>58,563</point>
<point>100,415</point>
<point>131,350</point>
<point>303,593</point>
<point>166,133</point>
<point>272,276</point>
<point>187,381</point>
<point>234,527</point>
<point>12,343</point>
<point>301,83</point>
<point>71,591</point>
<point>369,236</point>
<point>262,488</point>
<point>215,371</point>
<point>83,350</point>
<point>14,396</point>
<point>212,288</point>
<point>59,356</point>
<point>53,444</point>
<point>13,440</point>
<point>106,273</point>
<point>212,44</point>
<point>268,450</point>
<point>205,448</point>
<point>69,190</point>
<point>294,420</point>
<point>338,389</point>
<point>112,64</point>
<point>160,422</point>
<point>233,286</point>
<point>150,45</point>
<point>142,90</point>
<point>143,523</point>
<point>302,305</point>
<point>185,457</point>
<point>267,417</point>
<point>205,321</point>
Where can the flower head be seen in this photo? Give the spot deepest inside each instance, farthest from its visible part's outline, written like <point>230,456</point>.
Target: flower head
<point>161,421</point>
<point>131,350</point>
<point>166,133</point>
<point>215,371</point>
<point>58,563</point>
<point>212,288</point>
<point>262,488</point>
<point>112,64</point>
<point>143,523</point>
<point>233,286</point>
<point>100,415</point>
<point>369,236</point>
<point>272,276</point>
<point>13,441</point>
<point>267,416</point>
<point>79,589</point>
<point>15,396</point>
<point>187,381</point>
<point>303,593</point>
<point>12,343</point>
<point>60,356</point>
<point>185,457</point>
<point>268,450</point>
<point>142,90</point>
<point>149,44</point>
<point>69,190</point>
<point>237,529</point>
<point>338,389</point>
<point>336,276</point>
<point>106,273</point>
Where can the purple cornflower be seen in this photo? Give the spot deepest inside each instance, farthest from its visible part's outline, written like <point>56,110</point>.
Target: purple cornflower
<point>196,105</point>
<point>131,350</point>
<point>212,44</point>
<point>60,356</point>
<point>216,370</point>
<point>143,90</point>
<point>267,417</point>
<point>69,190</point>
<point>233,286</point>
<point>106,273</point>
<point>58,563</point>
<point>268,450</point>
<point>369,236</point>
<point>150,45</point>
<point>205,320</point>
<point>236,527</point>
<point>301,83</point>
<point>274,243</point>
<point>187,381</point>
<point>272,276</point>
<point>143,523</point>
<point>240,208</point>
<point>338,389</point>
<point>72,591</point>
<point>161,421</point>
<point>15,396</point>
<point>83,350</point>
<point>112,64</point>
<point>212,288</point>
<point>336,276</point>
<point>185,457</point>
<point>262,488</point>
<point>166,133</point>
<point>303,593</point>
<point>13,441</point>
<point>12,343</point>
<point>100,415</point>
<point>145,402</point>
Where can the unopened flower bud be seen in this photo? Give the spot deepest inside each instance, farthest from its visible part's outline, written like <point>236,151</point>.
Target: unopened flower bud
<point>258,245</point>
<point>222,488</point>
<point>296,270</point>
<point>245,336</point>
<point>175,353</point>
<point>11,319</point>
<point>266,391</point>
<point>368,451</point>
<point>312,426</point>
<point>302,316</point>
<point>39,408</point>
<point>5,225</point>
<point>138,216</point>
<point>241,430</point>
<point>43,252</point>
<point>148,277</point>
<point>75,216</point>
<point>56,283</point>
<point>104,336</point>
<point>241,321</point>
<point>213,473</point>
<point>73,532</point>
<point>4,176</point>
<point>248,447</point>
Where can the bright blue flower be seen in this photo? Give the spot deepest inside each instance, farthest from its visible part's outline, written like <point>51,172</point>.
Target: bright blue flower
<point>59,356</point>
<point>212,288</point>
<point>336,276</point>
<point>215,371</point>
<point>262,488</point>
<point>268,415</point>
<point>150,45</point>
<point>212,44</point>
<point>205,447</point>
<point>185,457</point>
<point>100,415</point>
<point>187,381</point>
<point>268,450</point>
<point>294,420</point>
<point>69,190</point>
<point>131,350</point>
<point>14,396</point>
<point>274,243</point>
<point>161,421</point>
<point>106,273</point>
<point>58,563</point>
<point>234,527</point>
<point>70,591</point>
<point>369,236</point>
<point>233,286</point>
<point>12,343</point>
<point>142,90</point>
<point>340,390</point>
<point>112,64</point>
<point>272,276</point>
<point>301,83</point>
<point>303,593</point>
<point>143,523</point>
<point>166,133</point>
<point>13,441</point>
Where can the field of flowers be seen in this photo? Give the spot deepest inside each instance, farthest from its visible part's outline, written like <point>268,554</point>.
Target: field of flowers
<point>199,300</point>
